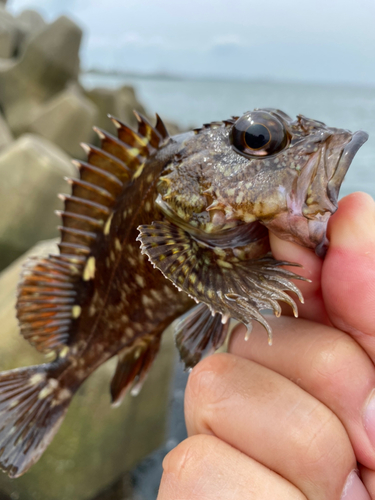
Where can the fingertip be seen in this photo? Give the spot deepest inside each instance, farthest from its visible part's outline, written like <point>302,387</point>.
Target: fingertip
<point>353,225</point>
<point>291,252</point>
<point>311,268</point>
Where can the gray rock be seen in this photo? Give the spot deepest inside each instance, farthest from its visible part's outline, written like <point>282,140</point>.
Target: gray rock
<point>49,62</point>
<point>67,120</point>
<point>118,102</point>
<point>9,34</point>
<point>21,114</point>
<point>31,173</point>
<point>5,134</point>
<point>96,444</point>
<point>31,21</point>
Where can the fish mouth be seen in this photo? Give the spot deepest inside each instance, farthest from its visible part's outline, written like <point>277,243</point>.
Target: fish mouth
<point>314,194</point>
<point>318,228</point>
<point>346,158</point>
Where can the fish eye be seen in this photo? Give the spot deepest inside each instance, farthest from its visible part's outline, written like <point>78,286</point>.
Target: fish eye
<point>258,134</point>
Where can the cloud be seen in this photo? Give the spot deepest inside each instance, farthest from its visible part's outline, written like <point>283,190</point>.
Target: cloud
<point>129,39</point>
<point>229,39</point>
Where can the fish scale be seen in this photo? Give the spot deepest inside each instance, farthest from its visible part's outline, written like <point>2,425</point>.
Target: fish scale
<point>153,225</point>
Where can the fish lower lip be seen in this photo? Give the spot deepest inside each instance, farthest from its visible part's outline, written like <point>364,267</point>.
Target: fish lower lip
<point>349,151</point>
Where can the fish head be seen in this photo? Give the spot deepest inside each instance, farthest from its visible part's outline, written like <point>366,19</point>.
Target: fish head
<point>262,167</point>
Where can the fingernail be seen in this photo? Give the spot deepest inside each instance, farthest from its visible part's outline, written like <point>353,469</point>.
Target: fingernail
<point>354,488</point>
<point>369,418</point>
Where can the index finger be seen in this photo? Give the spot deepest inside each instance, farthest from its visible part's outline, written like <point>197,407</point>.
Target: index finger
<point>311,268</point>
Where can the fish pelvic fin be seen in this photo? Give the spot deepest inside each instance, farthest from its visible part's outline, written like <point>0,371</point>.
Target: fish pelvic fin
<point>133,365</point>
<point>32,408</point>
<point>199,333</point>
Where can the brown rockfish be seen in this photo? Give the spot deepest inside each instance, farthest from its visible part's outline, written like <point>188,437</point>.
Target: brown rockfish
<point>153,223</point>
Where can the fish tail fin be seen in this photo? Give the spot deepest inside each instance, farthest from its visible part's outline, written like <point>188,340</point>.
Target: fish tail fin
<point>32,408</point>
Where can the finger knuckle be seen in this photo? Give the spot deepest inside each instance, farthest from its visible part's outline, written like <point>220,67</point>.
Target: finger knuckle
<point>205,381</point>
<point>187,461</point>
<point>332,363</point>
<point>322,440</point>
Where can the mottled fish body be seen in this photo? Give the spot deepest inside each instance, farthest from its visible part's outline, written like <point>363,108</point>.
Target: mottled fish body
<point>195,209</point>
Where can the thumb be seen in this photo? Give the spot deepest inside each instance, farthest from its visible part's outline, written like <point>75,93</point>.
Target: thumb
<point>348,273</point>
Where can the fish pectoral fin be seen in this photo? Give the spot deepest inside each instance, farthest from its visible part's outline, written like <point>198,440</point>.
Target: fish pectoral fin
<point>215,276</point>
<point>199,332</point>
<point>133,365</point>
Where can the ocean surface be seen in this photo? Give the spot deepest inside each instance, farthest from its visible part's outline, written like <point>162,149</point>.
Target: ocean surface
<point>190,103</point>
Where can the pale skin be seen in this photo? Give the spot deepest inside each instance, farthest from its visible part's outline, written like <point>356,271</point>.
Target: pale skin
<point>296,420</point>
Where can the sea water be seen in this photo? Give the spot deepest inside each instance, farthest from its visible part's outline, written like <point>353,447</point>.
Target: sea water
<point>191,103</point>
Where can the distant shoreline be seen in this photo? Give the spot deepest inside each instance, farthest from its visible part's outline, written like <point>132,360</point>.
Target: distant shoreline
<point>132,74</point>
<point>212,79</point>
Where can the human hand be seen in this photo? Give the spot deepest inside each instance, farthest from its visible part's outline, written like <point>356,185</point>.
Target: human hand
<point>293,421</point>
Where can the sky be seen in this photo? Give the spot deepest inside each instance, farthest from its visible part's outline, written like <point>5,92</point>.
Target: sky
<point>317,41</point>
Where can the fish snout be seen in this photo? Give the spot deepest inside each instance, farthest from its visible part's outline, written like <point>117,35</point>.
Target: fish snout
<point>348,152</point>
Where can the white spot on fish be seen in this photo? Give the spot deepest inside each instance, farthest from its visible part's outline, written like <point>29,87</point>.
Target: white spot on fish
<point>249,218</point>
<point>48,389</point>
<point>156,294</point>
<point>240,197</point>
<point>64,351</point>
<point>133,152</point>
<point>129,331</point>
<point>132,261</point>
<point>147,301</point>
<point>37,378</point>
<point>139,171</point>
<point>89,271</point>
<point>150,313</point>
<point>118,245</point>
<point>62,395</point>
<point>107,226</point>
<point>140,280</point>
<point>137,352</point>
<point>76,311</point>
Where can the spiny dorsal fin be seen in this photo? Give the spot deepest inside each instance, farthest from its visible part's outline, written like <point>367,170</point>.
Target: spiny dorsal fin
<point>161,128</point>
<point>129,136</point>
<point>47,302</point>
<point>145,129</point>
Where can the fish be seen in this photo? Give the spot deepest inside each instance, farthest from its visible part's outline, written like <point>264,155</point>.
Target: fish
<point>162,230</point>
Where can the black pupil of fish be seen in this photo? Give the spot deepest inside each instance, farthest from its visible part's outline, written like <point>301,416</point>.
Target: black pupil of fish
<point>257,136</point>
